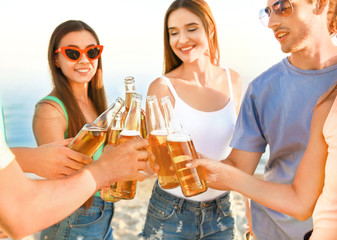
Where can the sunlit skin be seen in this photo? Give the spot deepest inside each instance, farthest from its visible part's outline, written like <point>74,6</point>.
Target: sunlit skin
<point>303,34</point>
<point>294,32</point>
<point>196,76</point>
<point>188,38</point>
<point>79,74</point>
<point>83,70</point>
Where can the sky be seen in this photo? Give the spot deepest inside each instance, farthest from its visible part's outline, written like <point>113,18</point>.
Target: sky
<point>132,34</point>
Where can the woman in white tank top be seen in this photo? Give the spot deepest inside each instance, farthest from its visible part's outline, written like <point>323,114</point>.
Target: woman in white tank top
<point>206,99</point>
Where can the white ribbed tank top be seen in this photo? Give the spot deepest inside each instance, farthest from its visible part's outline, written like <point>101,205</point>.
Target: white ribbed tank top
<point>211,133</point>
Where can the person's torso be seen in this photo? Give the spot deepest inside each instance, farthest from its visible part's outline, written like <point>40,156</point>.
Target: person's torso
<point>210,132</point>
<point>325,213</point>
<point>283,101</point>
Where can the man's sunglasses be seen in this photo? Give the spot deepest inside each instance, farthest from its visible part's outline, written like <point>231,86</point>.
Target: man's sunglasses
<point>74,54</point>
<point>282,8</point>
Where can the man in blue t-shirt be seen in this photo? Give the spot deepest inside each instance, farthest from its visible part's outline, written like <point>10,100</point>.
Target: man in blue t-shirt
<point>278,105</point>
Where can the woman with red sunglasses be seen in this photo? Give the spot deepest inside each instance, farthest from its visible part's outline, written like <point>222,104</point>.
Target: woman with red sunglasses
<point>78,97</point>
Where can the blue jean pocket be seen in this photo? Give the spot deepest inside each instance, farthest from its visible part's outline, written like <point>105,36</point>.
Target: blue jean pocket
<point>84,218</point>
<point>160,210</point>
<point>91,224</point>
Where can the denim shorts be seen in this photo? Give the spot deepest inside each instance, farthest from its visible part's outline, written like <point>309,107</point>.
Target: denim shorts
<point>91,224</point>
<point>170,217</point>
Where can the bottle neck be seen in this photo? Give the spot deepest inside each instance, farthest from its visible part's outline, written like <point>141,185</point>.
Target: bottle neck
<point>128,99</point>
<point>117,122</point>
<point>172,123</point>
<point>105,119</point>
<point>155,119</point>
<point>130,89</point>
<point>132,122</point>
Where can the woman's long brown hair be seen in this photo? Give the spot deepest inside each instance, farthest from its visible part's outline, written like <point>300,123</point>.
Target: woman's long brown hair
<point>62,86</point>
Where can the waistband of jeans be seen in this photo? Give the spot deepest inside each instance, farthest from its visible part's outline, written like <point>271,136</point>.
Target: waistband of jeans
<point>99,202</point>
<point>171,199</point>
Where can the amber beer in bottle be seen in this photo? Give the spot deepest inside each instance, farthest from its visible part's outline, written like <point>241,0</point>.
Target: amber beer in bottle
<point>93,135</point>
<point>115,130</point>
<point>130,89</point>
<point>89,139</point>
<point>181,150</point>
<point>112,136</point>
<point>157,139</point>
<point>131,130</point>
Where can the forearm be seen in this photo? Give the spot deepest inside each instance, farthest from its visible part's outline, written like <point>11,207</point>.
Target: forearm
<point>28,206</point>
<point>26,157</point>
<point>243,160</point>
<point>284,198</point>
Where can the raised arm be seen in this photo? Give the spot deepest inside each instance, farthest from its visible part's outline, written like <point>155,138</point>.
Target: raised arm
<point>52,160</point>
<point>297,199</point>
<point>27,206</point>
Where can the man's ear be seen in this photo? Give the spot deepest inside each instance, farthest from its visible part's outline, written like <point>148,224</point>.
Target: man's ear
<point>320,6</point>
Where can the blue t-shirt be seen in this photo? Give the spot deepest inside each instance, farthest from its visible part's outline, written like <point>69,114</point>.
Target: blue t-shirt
<point>277,110</point>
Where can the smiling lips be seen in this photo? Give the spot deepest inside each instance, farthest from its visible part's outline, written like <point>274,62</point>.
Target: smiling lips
<point>186,49</point>
<point>280,35</point>
<point>83,70</point>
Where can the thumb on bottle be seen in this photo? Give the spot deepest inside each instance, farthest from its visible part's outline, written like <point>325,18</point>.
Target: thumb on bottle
<point>193,164</point>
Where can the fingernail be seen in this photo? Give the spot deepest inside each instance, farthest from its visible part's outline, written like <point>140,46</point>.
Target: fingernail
<point>188,164</point>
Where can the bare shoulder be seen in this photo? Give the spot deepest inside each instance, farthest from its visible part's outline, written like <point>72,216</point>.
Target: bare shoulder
<point>158,87</point>
<point>48,113</point>
<point>48,108</point>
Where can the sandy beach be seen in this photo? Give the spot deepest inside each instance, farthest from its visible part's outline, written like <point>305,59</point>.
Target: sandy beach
<point>130,215</point>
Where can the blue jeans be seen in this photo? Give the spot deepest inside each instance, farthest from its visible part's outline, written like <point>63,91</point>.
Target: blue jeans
<point>170,217</point>
<point>93,224</point>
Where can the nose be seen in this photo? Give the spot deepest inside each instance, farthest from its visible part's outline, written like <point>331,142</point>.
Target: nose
<point>273,20</point>
<point>83,58</point>
<point>183,38</point>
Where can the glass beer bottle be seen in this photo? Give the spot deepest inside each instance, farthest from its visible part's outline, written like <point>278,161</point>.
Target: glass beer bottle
<point>130,89</point>
<point>131,130</point>
<point>112,136</point>
<point>91,137</point>
<point>181,150</point>
<point>157,139</point>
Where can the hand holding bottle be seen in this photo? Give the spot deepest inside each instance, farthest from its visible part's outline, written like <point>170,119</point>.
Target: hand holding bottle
<point>181,150</point>
<point>122,163</point>
<point>218,174</point>
<point>91,137</point>
<point>157,139</point>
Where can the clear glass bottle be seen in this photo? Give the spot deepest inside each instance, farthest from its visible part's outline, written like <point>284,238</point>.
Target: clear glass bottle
<point>112,136</point>
<point>157,139</point>
<point>181,149</point>
<point>131,131</point>
<point>130,89</point>
<point>93,135</point>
